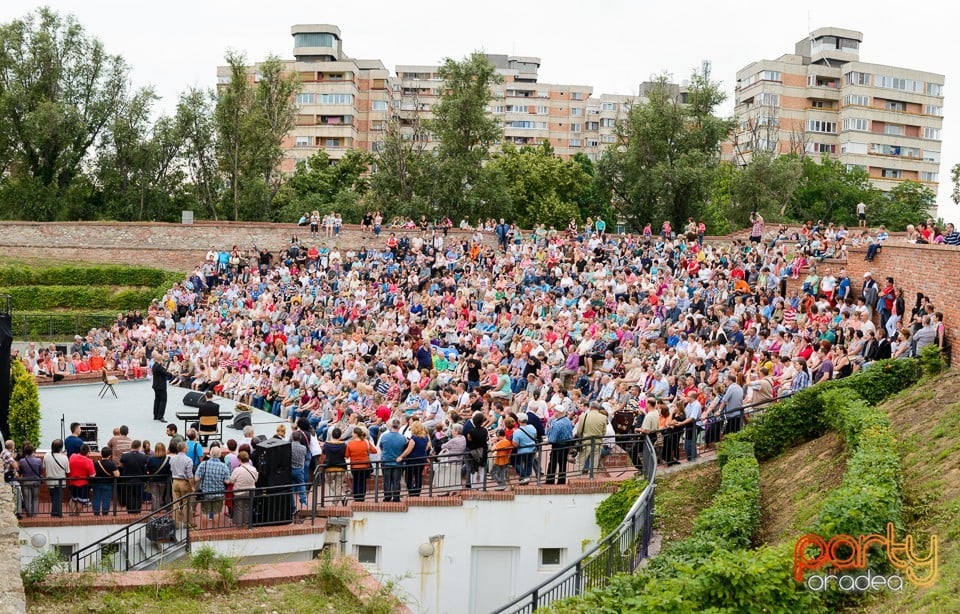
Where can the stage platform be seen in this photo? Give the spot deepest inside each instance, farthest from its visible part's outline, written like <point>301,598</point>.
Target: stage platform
<point>133,407</point>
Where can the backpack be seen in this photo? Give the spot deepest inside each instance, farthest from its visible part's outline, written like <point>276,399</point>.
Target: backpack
<point>622,421</point>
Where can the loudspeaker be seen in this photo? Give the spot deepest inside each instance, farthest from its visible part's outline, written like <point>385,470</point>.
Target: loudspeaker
<point>192,399</point>
<point>273,462</point>
<point>241,420</point>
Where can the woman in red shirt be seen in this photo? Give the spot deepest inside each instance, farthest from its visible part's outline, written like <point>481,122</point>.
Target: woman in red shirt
<point>81,470</point>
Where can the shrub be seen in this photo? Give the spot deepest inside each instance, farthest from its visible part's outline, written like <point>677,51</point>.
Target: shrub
<point>612,510</point>
<point>932,361</point>
<point>24,415</point>
<point>59,325</point>
<point>39,569</point>
<point>103,275</point>
<point>43,298</point>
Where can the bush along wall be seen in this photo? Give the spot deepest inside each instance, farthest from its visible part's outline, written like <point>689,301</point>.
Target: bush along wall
<point>714,569</point>
<point>105,275</point>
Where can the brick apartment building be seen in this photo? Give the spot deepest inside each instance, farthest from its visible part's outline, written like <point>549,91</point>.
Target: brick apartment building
<point>822,99</point>
<point>345,103</point>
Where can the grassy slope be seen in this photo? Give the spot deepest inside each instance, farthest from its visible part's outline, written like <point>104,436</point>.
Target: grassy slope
<point>680,497</point>
<point>792,487</point>
<point>926,420</point>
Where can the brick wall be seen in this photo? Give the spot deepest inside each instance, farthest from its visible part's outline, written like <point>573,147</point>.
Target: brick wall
<point>933,270</point>
<point>172,246</point>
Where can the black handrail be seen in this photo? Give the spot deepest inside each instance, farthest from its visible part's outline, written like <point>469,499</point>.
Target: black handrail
<point>621,550</point>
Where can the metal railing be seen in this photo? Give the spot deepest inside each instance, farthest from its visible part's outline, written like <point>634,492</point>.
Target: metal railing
<point>166,532</point>
<point>102,496</point>
<point>621,551</point>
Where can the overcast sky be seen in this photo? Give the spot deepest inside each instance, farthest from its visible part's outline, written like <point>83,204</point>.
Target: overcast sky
<point>612,45</point>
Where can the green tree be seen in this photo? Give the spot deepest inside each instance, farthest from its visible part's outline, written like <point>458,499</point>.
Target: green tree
<point>252,119</point>
<point>955,177</point>
<point>24,406</point>
<point>666,154</point>
<point>908,202</point>
<point>465,133</point>
<point>400,186</point>
<point>765,185</point>
<point>194,121</point>
<point>317,184</point>
<point>829,191</point>
<point>59,91</point>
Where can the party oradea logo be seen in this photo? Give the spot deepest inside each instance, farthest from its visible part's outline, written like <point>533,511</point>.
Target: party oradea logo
<point>845,564</point>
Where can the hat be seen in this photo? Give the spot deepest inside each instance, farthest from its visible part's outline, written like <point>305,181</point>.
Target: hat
<point>867,274</point>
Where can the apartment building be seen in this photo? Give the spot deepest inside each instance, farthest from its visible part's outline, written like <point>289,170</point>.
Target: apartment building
<point>346,103</point>
<point>822,99</point>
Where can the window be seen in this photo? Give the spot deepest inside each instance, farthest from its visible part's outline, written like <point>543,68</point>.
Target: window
<point>821,148</point>
<point>576,111</point>
<point>377,146</point>
<point>593,143</point>
<point>767,99</point>
<point>894,129</point>
<point>933,109</point>
<point>931,156</point>
<point>64,550</point>
<point>855,123</point>
<point>609,106</point>
<point>821,104</point>
<point>593,110</point>
<point>608,122</point>
<point>853,148</point>
<point>931,133</point>
<point>857,78</point>
<point>763,75</point>
<point>542,110</point>
<point>856,100</point>
<point>303,141</point>
<point>592,126</point>
<point>928,176</point>
<point>767,144</point>
<point>576,95</point>
<point>305,98</point>
<point>551,557</point>
<point>379,105</point>
<point>574,142</point>
<point>935,89</point>
<point>895,105</point>
<point>335,99</point>
<point>609,138</point>
<point>368,555</point>
<point>526,125</point>
<point>575,127</point>
<point>819,125</point>
<point>771,120</point>
<point>313,39</point>
<point>891,173</point>
<point>894,150</point>
<point>896,83</point>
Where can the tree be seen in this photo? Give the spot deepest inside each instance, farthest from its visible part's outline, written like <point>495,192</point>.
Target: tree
<point>317,184</point>
<point>829,191</point>
<point>233,103</point>
<point>955,177</point>
<point>400,186</point>
<point>765,185</point>
<point>24,406</point>
<point>666,153</point>
<point>59,91</point>
<point>465,133</point>
<point>908,202</point>
<point>194,120</point>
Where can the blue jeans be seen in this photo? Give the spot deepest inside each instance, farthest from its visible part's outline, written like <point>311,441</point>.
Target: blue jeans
<point>56,500</point>
<point>296,478</point>
<point>102,493</point>
<point>524,465</point>
<point>690,443</point>
<point>391,483</point>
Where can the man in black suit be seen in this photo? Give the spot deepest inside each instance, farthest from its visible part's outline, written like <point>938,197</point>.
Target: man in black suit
<point>160,375</point>
<point>207,408</point>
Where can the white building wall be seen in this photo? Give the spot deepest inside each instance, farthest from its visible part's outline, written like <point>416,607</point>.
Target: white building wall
<point>445,582</point>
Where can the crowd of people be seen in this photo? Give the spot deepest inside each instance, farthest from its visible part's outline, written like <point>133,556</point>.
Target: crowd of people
<point>507,350</point>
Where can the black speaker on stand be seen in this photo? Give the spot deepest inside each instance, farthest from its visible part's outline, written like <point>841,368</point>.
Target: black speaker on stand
<point>6,343</point>
<point>274,500</point>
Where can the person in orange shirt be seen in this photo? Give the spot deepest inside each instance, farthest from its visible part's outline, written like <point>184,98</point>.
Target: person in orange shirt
<point>96,361</point>
<point>502,447</point>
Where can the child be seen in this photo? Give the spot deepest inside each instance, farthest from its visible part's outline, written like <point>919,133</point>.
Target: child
<point>502,447</point>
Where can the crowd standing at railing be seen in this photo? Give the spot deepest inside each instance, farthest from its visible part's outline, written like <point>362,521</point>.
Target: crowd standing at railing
<point>533,354</point>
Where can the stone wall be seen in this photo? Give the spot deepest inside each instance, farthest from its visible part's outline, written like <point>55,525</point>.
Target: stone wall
<point>12,599</point>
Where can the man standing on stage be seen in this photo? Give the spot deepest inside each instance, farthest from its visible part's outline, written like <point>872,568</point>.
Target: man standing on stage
<point>160,375</point>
